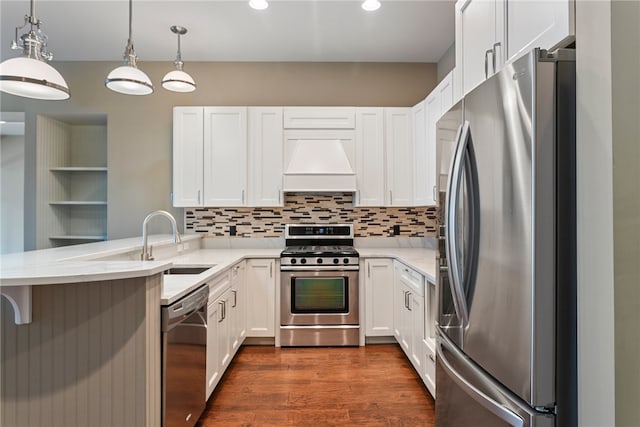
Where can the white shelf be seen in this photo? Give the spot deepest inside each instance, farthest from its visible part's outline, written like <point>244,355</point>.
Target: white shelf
<point>80,203</point>
<point>77,237</point>
<point>79,169</point>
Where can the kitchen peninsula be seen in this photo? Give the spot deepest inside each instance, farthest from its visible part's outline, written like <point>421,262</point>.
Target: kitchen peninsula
<point>90,353</point>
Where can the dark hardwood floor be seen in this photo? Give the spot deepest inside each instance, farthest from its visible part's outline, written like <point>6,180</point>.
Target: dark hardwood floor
<point>340,386</point>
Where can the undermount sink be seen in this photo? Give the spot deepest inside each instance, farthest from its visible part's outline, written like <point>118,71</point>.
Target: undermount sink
<point>187,270</point>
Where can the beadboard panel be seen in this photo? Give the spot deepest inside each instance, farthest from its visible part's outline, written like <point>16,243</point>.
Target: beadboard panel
<point>91,356</point>
<point>52,140</point>
<point>307,208</point>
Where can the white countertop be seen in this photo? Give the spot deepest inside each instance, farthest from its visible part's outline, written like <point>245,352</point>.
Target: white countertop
<point>423,260</point>
<point>82,263</point>
<point>87,263</point>
<point>175,286</point>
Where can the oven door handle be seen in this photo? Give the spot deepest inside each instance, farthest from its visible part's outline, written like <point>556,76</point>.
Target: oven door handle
<point>331,268</point>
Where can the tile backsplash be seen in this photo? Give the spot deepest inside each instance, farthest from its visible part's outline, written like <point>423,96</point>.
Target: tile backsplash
<point>312,208</point>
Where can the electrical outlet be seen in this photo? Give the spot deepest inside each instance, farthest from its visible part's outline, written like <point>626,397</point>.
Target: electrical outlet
<point>396,230</point>
<point>232,230</point>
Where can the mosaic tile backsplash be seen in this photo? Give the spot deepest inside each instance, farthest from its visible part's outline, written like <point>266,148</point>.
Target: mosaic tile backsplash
<point>307,208</point>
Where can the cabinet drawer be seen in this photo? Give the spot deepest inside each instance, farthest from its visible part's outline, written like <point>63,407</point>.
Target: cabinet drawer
<point>411,278</point>
<point>218,285</point>
<point>319,118</point>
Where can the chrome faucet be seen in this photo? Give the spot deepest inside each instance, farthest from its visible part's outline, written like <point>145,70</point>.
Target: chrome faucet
<point>146,250</point>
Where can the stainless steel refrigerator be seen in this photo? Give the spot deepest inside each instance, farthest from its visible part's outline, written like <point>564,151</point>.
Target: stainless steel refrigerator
<point>506,347</point>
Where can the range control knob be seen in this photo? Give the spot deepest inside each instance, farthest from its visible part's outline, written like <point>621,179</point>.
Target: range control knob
<point>319,261</point>
<point>336,260</point>
<point>293,260</point>
<point>303,261</point>
<point>346,260</point>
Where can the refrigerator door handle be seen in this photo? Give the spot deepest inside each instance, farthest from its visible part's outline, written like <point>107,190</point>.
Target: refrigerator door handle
<point>487,402</point>
<point>451,231</point>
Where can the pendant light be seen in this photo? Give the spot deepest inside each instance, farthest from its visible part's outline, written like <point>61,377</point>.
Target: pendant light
<point>371,5</point>
<point>177,80</point>
<point>127,78</point>
<point>29,75</point>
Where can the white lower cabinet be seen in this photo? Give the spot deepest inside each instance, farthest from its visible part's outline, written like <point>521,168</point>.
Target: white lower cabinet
<point>378,289</point>
<point>215,329</point>
<point>238,305</point>
<point>409,315</point>
<point>261,297</point>
<point>428,374</point>
<point>225,322</point>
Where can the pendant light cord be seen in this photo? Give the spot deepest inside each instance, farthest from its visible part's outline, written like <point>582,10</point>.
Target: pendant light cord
<point>130,18</point>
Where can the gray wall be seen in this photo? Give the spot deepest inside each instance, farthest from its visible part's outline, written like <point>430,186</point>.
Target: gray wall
<point>139,128</point>
<point>447,62</point>
<point>11,193</point>
<point>625,61</point>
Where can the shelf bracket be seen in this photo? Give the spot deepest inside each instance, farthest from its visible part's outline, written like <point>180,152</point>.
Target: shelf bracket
<point>20,299</point>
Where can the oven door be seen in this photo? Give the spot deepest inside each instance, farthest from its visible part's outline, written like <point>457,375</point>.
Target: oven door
<point>319,298</point>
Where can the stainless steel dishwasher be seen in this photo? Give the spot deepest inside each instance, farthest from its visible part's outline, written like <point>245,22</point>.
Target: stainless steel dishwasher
<point>184,359</point>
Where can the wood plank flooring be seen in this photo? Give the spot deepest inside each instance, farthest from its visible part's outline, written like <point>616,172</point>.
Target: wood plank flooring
<point>340,386</point>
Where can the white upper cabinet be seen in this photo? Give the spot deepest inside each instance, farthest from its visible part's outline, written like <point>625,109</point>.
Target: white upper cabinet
<point>187,156</point>
<point>490,33</point>
<point>265,156</point>
<point>225,156</point>
<point>399,142</point>
<point>479,40</point>
<point>423,168</point>
<point>319,117</point>
<point>439,101</point>
<point>370,156</point>
<point>543,24</point>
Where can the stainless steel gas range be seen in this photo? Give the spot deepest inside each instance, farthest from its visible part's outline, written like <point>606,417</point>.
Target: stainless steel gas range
<point>319,286</point>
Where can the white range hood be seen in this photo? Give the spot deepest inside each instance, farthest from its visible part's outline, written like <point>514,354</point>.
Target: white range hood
<point>319,165</point>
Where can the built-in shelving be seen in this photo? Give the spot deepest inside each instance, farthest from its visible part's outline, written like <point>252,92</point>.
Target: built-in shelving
<point>72,158</point>
<point>80,202</point>
<point>78,169</point>
<point>78,237</point>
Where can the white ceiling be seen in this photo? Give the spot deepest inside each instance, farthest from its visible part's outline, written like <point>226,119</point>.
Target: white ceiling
<point>302,30</point>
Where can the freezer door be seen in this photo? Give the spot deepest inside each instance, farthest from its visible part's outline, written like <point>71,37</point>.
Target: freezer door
<point>500,229</point>
<point>467,396</point>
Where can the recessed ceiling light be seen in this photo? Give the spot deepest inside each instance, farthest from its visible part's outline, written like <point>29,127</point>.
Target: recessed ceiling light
<point>371,5</point>
<point>258,4</point>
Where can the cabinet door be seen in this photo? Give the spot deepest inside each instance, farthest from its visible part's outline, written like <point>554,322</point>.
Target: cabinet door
<point>225,156</point>
<point>479,40</point>
<point>429,371</point>
<point>213,367</point>
<point>445,92</point>
<point>423,192</point>
<point>416,309</point>
<point>401,320</point>
<point>265,156</point>
<point>399,156</point>
<point>224,331</point>
<point>187,156</point>
<point>319,117</point>
<point>378,288</point>
<point>238,310</point>
<point>370,167</point>
<point>261,295</point>
<point>541,24</point>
